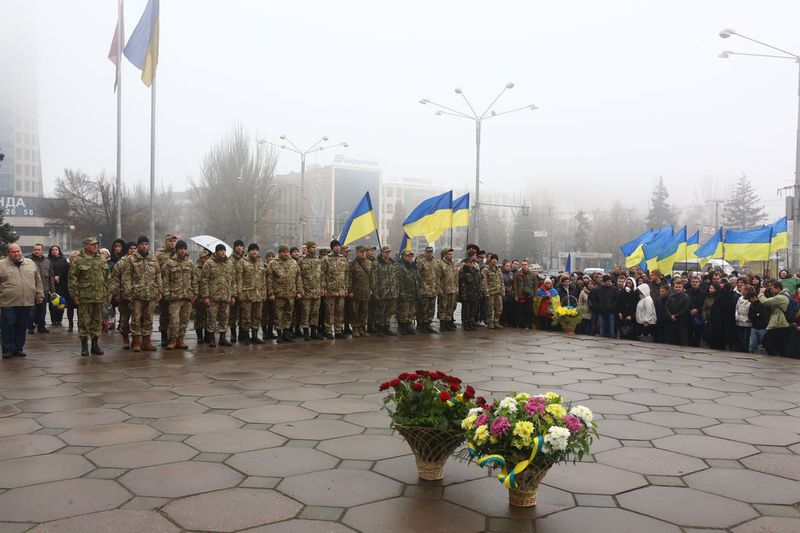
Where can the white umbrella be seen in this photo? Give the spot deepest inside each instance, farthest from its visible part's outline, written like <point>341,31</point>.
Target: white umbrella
<point>210,242</point>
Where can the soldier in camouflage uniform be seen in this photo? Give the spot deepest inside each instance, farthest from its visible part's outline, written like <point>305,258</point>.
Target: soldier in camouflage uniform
<point>285,285</point>
<point>362,285</point>
<point>385,291</point>
<point>493,290</point>
<point>88,287</point>
<point>141,285</point>
<point>311,274</point>
<point>162,254</point>
<point>115,287</point>
<point>235,315</point>
<point>373,302</point>
<point>252,290</point>
<point>200,310</point>
<point>428,290</point>
<point>469,292</point>
<point>179,278</point>
<point>348,301</point>
<point>219,288</point>
<point>335,286</point>
<point>323,253</point>
<point>268,309</point>
<point>447,283</point>
<point>407,293</point>
<point>297,312</point>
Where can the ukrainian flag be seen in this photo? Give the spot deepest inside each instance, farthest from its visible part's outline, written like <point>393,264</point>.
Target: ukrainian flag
<point>711,249</point>
<point>430,218</point>
<point>655,247</point>
<point>674,250</point>
<point>461,211</point>
<point>142,47</point>
<point>633,250</point>
<point>361,223</point>
<point>780,235</point>
<point>692,245</point>
<point>405,244</point>
<point>748,245</point>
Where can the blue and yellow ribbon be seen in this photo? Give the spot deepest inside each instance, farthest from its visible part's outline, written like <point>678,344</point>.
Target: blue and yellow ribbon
<point>508,479</point>
<point>453,401</point>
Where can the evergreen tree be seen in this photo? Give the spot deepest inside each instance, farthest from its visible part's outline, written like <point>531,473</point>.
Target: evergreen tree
<point>582,231</point>
<point>743,209</point>
<point>661,213</point>
<point>7,234</point>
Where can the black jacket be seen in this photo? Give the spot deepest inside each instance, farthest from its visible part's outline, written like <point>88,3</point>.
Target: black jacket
<point>603,299</point>
<point>626,304</point>
<point>758,315</point>
<point>679,305</point>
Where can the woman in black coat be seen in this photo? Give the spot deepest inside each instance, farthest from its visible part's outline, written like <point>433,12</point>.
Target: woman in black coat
<point>60,276</point>
<point>723,318</point>
<point>626,309</point>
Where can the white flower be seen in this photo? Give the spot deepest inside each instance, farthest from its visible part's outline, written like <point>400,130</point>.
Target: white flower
<point>475,411</point>
<point>557,438</point>
<point>584,413</point>
<point>508,403</point>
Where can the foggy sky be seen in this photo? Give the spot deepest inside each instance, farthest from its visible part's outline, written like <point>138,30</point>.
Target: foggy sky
<point>627,90</point>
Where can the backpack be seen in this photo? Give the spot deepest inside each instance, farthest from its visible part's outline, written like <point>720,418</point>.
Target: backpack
<point>791,311</point>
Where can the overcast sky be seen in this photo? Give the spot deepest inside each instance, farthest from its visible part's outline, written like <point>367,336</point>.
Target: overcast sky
<point>627,90</point>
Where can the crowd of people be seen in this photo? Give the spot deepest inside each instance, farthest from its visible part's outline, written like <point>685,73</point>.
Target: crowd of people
<point>324,294</point>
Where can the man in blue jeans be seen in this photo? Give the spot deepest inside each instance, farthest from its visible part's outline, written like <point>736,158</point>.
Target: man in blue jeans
<point>20,289</point>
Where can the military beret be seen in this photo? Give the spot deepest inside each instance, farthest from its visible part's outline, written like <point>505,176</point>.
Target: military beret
<point>170,236</point>
<point>181,245</point>
<point>386,248</point>
<point>252,246</point>
<point>142,239</point>
<point>238,242</point>
<point>335,242</point>
<point>309,244</point>
<point>89,240</point>
<point>283,248</point>
<point>219,247</point>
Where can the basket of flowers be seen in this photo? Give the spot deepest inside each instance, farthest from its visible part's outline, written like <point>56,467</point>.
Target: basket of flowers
<point>525,435</point>
<point>568,317</point>
<point>427,409</point>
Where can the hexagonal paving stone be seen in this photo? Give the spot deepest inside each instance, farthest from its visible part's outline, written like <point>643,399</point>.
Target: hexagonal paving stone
<point>365,447</point>
<point>341,406</point>
<point>196,424</point>
<point>746,485</point>
<point>206,390</point>
<point>302,394</point>
<point>231,509</point>
<point>783,423</point>
<point>41,469</point>
<point>651,399</point>
<point>705,447</point>
<point>235,441</point>
<point>749,402</point>
<point>325,379</point>
<point>231,401</point>
<point>143,396</point>
<point>675,420</point>
<point>81,418</point>
<point>650,461</point>
<point>687,507</point>
<point>306,526</point>
<point>281,462</point>
<point>372,419</point>
<point>593,478</point>
<point>779,464</point>
<point>601,520</point>
<point>487,496</point>
<point>41,392</point>
<point>26,445</point>
<point>165,409</point>
<point>118,521</point>
<point>108,435</point>
<point>140,454</point>
<point>316,429</point>
<point>687,391</point>
<point>753,434</point>
<point>180,479</point>
<point>340,487</point>
<point>770,524</point>
<point>61,499</point>
<point>56,405</point>
<point>401,515</point>
<point>629,429</point>
<point>597,388</point>
<point>614,407</point>
<point>715,410</point>
<point>404,469</point>
<point>17,426</point>
<point>273,414</point>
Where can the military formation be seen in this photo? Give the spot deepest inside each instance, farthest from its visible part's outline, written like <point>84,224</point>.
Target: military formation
<point>251,299</point>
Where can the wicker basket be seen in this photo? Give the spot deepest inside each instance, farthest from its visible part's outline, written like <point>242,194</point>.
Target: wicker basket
<point>568,329</point>
<point>431,448</point>
<point>527,487</point>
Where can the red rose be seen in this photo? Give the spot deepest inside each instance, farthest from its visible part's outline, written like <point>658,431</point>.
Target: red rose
<point>422,372</point>
<point>444,395</point>
<point>417,386</point>
<point>455,387</point>
<point>404,375</point>
<point>384,386</point>
<point>469,393</point>
<point>394,383</point>
<point>481,401</point>
<point>435,375</point>
<point>413,377</point>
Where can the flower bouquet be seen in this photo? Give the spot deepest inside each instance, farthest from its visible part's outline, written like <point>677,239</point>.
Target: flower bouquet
<point>427,410</point>
<point>524,436</point>
<point>568,317</point>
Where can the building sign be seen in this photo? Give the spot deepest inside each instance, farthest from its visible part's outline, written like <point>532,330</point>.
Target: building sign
<point>18,206</point>
<point>342,159</point>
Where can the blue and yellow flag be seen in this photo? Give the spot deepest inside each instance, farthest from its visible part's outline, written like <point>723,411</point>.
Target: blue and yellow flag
<point>711,249</point>
<point>405,244</point>
<point>748,245</point>
<point>361,222</point>
<point>430,218</point>
<point>633,250</point>
<point>692,244</point>
<point>780,235</point>
<point>461,211</point>
<point>673,250</point>
<point>142,47</point>
<point>654,248</point>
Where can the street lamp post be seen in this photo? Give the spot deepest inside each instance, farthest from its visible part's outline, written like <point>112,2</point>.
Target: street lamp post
<point>478,119</point>
<point>316,147</point>
<point>726,33</point>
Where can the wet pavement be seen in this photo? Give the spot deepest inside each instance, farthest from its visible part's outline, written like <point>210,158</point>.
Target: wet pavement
<point>293,438</point>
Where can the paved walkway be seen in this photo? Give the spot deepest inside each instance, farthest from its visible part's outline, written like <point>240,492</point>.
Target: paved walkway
<point>293,438</point>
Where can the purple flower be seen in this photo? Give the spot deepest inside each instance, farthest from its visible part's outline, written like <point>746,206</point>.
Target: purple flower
<point>482,419</point>
<point>499,426</point>
<point>535,406</point>
<point>573,423</point>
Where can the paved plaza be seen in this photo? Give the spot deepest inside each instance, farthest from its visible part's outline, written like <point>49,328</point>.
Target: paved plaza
<point>293,438</point>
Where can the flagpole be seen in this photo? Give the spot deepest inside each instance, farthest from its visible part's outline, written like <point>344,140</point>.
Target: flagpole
<point>118,198</point>
<point>153,158</point>
<point>378,236</point>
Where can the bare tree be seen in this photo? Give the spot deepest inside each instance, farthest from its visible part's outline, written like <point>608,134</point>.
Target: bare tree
<point>613,227</point>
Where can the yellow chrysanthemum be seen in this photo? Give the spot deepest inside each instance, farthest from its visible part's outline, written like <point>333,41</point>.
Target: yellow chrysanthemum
<point>481,434</point>
<point>523,429</point>
<point>557,410</point>
<point>550,396</point>
<point>522,397</point>
<point>468,422</point>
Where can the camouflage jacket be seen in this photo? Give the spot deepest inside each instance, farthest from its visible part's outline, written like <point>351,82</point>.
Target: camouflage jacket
<point>252,279</point>
<point>447,277</point>
<point>311,274</point>
<point>524,287</point>
<point>164,253</point>
<point>362,279</point>
<point>141,279</point>
<point>198,272</point>
<point>179,278</point>
<point>334,275</point>
<point>427,277</point>
<point>407,281</point>
<point>284,278</point>
<point>115,276</point>
<point>493,281</point>
<point>88,279</point>
<point>469,285</point>
<point>385,279</point>
<point>219,279</point>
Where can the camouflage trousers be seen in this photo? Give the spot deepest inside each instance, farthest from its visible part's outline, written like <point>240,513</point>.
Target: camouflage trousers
<point>297,315</point>
<point>494,308</point>
<point>334,313</point>
<point>425,307</point>
<point>200,313</point>
<point>284,308</point>
<point>250,314</point>
<point>90,319</point>
<point>384,311</point>
<point>446,306</point>
<point>142,317</point>
<point>217,316</point>
<point>360,313</point>
<point>179,311</point>
<point>124,307</point>
<point>163,315</point>
<point>406,310</point>
<point>469,311</point>
<point>310,312</point>
<point>267,313</point>
<point>372,317</point>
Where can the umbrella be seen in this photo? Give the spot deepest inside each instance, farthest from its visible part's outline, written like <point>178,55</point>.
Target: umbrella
<point>209,242</point>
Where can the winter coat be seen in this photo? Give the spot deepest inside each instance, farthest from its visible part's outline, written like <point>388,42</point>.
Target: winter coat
<point>179,279</point>
<point>546,302</point>
<point>427,277</point>
<point>335,278</point>
<point>407,281</point>
<point>678,305</point>
<point>45,272</point>
<point>524,286</point>
<point>385,279</point>
<point>646,308</point>
<point>311,274</point>
<point>661,309</point>
<point>758,314</point>
<point>362,279</point>
<point>628,302</point>
<point>218,279</point>
<point>603,299</point>
<point>469,284</point>
<point>583,301</point>
<point>742,312</point>
<point>251,280</point>
<point>283,280</point>
<point>89,279</point>
<point>61,271</point>
<point>723,315</point>
<point>447,277</point>
<point>492,283</point>
<point>20,284</point>
<point>777,305</point>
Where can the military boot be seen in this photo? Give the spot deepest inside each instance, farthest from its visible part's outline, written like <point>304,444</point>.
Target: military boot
<point>164,338</point>
<point>341,335</point>
<point>96,347</point>
<point>430,328</point>
<point>84,347</point>
<point>179,344</point>
<point>244,336</point>
<point>270,331</point>
<point>233,334</point>
<point>306,334</point>
<point>363,332</point>
<point>316,333</point>
<point>254,337</point>
<point>211,339</point>
<point>329,335</point>
<point>278,336</point>
<point>137,343</point>
<point>201,338</point>
<point>287,335</point>
<point>223,341</point>
<point>147,345</point>
<point>126,341</point>
<point>171,344</point>
<point>387,331</point>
